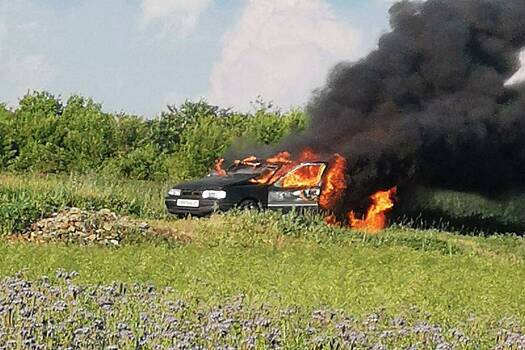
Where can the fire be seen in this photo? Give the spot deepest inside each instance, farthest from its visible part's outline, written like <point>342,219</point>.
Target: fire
<point>332,220</point>
<point>280,158</point>
<point>304,177</point>
<point>219,170</point>
<point>334,185</point>
<point>250,161</point>
<point>330,176</point>
<point>285,163</point>
<point>264,178</point>
<point>308,155</point>
<point>375,219</point>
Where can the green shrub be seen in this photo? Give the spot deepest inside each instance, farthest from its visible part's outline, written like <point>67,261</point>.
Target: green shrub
<point>46,136</point>
<point>86,134</point>
<point>7,151</point>
<point>142,163</point>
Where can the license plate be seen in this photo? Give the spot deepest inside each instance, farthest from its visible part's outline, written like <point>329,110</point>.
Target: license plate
<point>192,203</point>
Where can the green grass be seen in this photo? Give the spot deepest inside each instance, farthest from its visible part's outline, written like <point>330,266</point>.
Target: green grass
<point>281,260</point>
<point>26,198</point>
<point>466,212</point>
<point>450,276</point>
<point>144,198</point>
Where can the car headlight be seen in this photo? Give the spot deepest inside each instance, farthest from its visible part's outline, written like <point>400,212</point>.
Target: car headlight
<point>174,192</point>
<point>214,194</point>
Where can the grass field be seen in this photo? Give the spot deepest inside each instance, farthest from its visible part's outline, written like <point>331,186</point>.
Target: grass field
<point>448,289</point>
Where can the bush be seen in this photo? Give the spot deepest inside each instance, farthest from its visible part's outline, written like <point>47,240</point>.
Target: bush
<point>86,134</point>
<point>7,151</point>
<point>46,136</point>
<point>142,163</point>
<point>33,135</point>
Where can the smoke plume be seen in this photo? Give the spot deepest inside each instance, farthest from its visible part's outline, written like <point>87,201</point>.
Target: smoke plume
<point>429,106</point>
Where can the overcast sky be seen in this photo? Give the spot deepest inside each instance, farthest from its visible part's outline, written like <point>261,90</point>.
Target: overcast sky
<point>137,56</point>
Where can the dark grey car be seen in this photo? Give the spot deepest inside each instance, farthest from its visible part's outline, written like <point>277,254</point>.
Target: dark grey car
<point>242,188</point>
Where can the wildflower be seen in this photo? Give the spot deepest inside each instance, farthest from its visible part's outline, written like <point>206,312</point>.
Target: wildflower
<point>398,321</point>
<point>378,346</point>
<point>59,306</point>
<point>250,342</point>
<point>444,346</point>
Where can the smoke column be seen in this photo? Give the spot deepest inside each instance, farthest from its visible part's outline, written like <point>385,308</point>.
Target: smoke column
<point>429,106</point>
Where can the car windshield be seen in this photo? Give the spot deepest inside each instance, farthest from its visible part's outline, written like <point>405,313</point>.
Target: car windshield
<point>242,169</point>
<point>248,169</point>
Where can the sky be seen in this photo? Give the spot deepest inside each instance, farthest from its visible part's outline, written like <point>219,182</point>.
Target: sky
<point>137,56</point>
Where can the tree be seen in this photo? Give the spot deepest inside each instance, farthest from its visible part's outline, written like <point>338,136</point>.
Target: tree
<point>34,134</point>
<point>7,146</point>
<point>167,130</point>
<point>87,134</point>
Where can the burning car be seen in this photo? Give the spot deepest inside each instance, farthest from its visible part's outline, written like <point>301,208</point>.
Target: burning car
<point>307,182</point>
<point>251,184</point>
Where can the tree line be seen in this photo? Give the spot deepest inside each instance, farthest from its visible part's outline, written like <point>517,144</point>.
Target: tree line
<point>45,135</point>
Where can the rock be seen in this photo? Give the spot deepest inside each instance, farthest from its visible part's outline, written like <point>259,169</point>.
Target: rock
<point>74,211</point>
<point>74,225</point>
<point>75,217</point>
<point>105,212</point>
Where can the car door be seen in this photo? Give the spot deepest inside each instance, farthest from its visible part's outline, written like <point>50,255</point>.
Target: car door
<point>300,188</point>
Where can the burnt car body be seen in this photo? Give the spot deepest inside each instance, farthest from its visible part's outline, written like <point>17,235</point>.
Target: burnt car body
<point>242,187</point>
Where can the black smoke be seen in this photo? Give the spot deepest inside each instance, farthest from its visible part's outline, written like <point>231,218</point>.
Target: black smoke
<point>429,106</point>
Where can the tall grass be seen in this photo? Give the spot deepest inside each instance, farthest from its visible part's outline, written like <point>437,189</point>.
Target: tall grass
<point>25,198</point>
<point>468,213</point>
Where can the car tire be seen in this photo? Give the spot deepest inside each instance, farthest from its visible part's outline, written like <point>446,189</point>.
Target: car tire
<point>249,204</point>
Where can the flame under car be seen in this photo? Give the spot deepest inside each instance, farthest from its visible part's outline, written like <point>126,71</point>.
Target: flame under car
<point>251,184</point>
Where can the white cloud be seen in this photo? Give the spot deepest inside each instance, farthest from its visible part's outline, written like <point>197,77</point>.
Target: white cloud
<point>173,16</point>
<point>281,51</point>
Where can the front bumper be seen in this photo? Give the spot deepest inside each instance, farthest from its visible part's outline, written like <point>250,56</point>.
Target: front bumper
<point>206,206</point>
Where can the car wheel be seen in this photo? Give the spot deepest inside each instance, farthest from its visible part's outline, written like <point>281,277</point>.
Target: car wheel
<point>249,204</point>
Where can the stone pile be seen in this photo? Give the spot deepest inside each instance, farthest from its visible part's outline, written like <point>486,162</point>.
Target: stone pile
<point>78,226</point>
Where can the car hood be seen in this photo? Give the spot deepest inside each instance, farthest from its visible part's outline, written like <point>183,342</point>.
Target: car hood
<point>215,182</point>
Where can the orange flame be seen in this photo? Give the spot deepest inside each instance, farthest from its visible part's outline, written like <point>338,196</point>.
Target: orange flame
<point>264,178</point>
<point>304,177</point>
<point>280,158</point>
<point>375,219</point>
<point>308,155</point>
<point>333,186</point>
<point>284,159</point>
<point>219,170</point>
<point>332,220</point>
<point>249,161</point>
